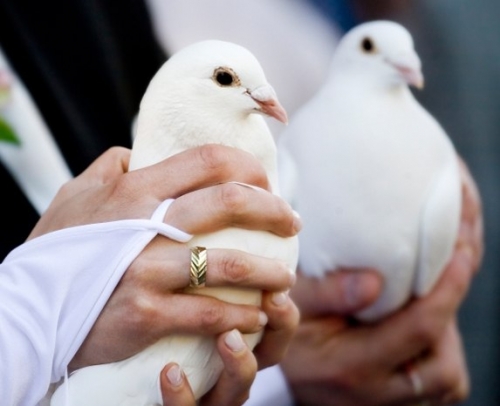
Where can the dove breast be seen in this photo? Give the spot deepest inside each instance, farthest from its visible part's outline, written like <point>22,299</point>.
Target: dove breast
<point>377,181</point>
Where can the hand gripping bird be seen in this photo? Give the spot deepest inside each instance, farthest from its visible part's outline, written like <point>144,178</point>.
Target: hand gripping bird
<point>377,178</point>
<point>209,92</point>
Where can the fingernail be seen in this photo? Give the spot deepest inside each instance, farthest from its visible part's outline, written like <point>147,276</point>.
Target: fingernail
<point>234,341</point>
<point>297,221</point>
<point>262,319</point>
<point>293,277</point>
<point>174,375</point>
<point>280,298</point>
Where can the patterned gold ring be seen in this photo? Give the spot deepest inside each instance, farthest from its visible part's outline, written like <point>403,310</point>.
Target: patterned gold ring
<point>198,269</point>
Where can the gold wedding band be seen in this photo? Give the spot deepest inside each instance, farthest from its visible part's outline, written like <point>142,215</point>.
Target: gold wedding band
<point>198,269</point>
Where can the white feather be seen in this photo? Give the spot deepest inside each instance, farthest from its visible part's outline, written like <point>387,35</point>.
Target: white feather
<point>377,177</point>
<point>182,108</point>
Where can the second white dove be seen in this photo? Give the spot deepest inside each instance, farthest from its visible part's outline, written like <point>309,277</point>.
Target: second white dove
<point>378,181</point>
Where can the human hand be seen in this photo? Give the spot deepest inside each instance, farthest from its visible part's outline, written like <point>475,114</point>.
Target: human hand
<point>105,191</point>
<point>365,364</point>
<point>135,315</point>
<point>233,386</point>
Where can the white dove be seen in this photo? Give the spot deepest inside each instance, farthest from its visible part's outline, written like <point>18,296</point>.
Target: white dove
<point>209,92</point>
<point>377,177</point>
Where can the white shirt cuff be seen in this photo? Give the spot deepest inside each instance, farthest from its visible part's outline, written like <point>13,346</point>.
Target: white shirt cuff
<point>270,388</point>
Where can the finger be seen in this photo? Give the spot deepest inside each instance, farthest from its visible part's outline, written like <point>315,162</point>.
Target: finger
<point>442,374</point>
<point>110,164</point>
<point>341,292</point>
<point>165,266</point>
<point>230,204</point>
<point>237,268</point>
<point>448,374</point>
<point>445,374</point>
<point>175,389</point>
<point>196,314</point>
<point>200,167</point>
<point>472,225</point>
<point>240,368</point>
<point>283,318</point>
<point>422,322</point>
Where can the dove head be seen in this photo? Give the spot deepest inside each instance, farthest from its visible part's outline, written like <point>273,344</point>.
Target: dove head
<point>383,50</point>
<point>219,78</point>
<point>208,92</point>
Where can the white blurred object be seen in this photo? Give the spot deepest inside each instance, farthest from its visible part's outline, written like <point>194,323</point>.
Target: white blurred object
<point>36,164</point>
<point>290,38</point>
<point>378,178</point>
<point>209,92</point>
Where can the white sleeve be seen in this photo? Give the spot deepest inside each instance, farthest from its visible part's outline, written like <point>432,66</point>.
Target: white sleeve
<point>52,289</point>
<point>270,388</point>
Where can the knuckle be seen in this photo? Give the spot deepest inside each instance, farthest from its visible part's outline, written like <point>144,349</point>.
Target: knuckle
<point>142,312</point>
<point>115,152</point>
<point>234,268</point>
<point>213,157</point>
<point>211,316</point>
<point>232,197</point>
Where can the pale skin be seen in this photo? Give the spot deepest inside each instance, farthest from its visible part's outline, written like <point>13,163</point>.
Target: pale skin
<point>146,305</point>
<point>354,364</point>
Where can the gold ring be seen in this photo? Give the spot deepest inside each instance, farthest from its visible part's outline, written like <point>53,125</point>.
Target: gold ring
<point>198,269</point>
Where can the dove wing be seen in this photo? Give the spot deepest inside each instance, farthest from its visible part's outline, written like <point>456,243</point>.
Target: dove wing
<point>439,227</point>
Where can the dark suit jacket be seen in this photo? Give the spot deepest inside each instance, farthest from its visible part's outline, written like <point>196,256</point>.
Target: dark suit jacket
<point>86,63</point>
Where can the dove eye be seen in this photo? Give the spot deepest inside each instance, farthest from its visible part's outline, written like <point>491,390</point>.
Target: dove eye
<point>226,77</point>
<point>368,46</point>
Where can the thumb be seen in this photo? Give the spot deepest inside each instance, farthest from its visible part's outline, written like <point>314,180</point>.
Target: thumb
<point>175,389</point>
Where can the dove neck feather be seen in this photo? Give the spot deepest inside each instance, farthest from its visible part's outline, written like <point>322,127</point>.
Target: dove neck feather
<point>168,125</point>
<point>378,80</point>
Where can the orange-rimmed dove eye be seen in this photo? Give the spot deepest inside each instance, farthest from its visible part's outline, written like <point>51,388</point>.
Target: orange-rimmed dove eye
<point>225,77</point>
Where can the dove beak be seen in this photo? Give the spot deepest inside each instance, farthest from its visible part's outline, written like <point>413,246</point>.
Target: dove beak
<point>410,68</point>
<point>265,97</point>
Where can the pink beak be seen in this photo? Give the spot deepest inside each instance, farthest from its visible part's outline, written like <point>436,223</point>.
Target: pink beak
<point>412,76</point>
<point>268,103</point>
<point>409,67</point>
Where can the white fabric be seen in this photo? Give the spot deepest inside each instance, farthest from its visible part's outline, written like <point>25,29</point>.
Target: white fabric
<point>270,388</point>
<point>53,288</point>
<point>36,164</point>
